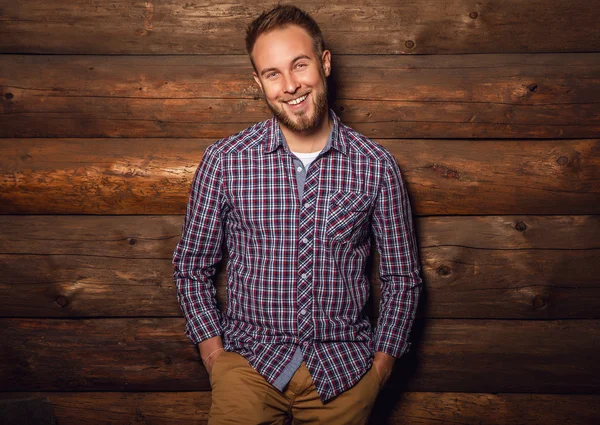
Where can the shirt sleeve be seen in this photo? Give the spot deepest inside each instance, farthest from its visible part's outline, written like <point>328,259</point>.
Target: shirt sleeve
<point>199,250</point>
<point>399,268</point>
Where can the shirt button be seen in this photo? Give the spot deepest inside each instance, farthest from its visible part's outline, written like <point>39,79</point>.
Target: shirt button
<point>304,275</point>
<point>304,240</point>
<point>305,343</point>
<point>299,169</point>
<point>303,311</point>
<point>307,205</point>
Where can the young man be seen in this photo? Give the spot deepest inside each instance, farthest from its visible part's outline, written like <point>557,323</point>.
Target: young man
<point>297,199</point>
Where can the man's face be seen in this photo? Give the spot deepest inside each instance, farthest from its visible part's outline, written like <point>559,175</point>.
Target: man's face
<point>292,77</point>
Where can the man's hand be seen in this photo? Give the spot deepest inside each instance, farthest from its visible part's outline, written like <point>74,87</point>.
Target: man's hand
<point>383,363</point>
<point>210,350</point>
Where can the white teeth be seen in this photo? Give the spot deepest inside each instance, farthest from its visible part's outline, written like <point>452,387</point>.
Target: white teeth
<point>297,101</point>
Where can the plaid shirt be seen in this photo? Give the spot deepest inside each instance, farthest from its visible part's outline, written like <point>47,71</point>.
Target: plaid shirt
<point>296,268</point>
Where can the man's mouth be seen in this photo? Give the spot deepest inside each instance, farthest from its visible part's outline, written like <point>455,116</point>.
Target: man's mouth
<point>298,100</point>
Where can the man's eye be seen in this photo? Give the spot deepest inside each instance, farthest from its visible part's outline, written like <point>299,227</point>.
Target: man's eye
<point>271,74</point>
<point>301,65</point>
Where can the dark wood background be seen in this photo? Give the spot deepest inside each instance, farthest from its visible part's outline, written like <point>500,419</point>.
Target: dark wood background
<point>490,107</point>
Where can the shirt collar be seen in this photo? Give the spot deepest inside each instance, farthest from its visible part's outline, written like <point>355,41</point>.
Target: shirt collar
<point>336,140</point>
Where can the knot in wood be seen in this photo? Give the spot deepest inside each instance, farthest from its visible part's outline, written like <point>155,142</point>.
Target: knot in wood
<point>409,44</point>
<point>538,302</point>
<point>443,270</point>
<point>62,301</point>
<point>132,241</point>
<point>563,160</point>
<point>533,87</point>
<point>473,15</point>
<point>9,96</point>
<point>520,226</point>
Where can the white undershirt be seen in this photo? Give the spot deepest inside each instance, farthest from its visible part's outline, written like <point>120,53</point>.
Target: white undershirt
<point>307,158</point>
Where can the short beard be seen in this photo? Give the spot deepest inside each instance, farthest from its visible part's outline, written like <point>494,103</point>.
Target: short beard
<point>304,123</point>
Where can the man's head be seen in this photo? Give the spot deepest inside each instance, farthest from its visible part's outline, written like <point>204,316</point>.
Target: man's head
<point>290,66</point>
<point>278,18</point>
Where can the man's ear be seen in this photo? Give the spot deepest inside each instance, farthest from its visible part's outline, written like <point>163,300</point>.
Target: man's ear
<point>255,75</point>
<point>326,61</point>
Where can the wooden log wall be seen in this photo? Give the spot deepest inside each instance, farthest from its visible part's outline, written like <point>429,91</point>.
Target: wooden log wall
<point>490,107</point>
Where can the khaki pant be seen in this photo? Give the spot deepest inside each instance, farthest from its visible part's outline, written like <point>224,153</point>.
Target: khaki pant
<point>240,395</point>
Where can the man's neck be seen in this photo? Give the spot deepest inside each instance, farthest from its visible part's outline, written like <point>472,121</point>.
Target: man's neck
<point>307,142</point>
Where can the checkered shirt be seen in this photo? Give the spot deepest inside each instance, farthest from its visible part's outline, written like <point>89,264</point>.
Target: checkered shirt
<point>296,267</point>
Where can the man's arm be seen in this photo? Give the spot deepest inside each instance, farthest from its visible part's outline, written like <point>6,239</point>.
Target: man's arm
<point>399,270</point>
<point>196,255</point>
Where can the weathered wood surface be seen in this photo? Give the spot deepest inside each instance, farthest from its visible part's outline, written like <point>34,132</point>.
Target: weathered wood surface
<point>153,176</point>
<point>460,282</point>
<point>146,237</point>
<point>154,355</point>
<point>472,96</point>
<point>474,267</point>
<point>381,26</point>
<point>414,408</point>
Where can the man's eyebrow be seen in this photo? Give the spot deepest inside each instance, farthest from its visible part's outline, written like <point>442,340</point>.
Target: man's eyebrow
<point>297,58</point>
<point>264,71</point>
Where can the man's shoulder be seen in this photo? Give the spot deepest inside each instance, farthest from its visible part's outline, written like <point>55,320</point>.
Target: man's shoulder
<point>245,139</point>
<point>361,145</point>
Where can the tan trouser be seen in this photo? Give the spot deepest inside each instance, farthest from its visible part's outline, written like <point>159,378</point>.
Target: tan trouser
<point>240,395</point>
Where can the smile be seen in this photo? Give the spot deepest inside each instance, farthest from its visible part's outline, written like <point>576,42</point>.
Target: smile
<point>297,101</point>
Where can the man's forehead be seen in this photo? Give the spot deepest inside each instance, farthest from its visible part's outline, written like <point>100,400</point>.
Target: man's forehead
<point>283,44</point>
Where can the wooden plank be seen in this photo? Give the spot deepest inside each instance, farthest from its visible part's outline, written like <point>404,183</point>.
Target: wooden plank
<point>456,26</point>
<point>460,283</point>
<point>418,408</point>
<point>218,118</point>
<point>496,78</point>
<point>153,176</point>
<point>147,237</point>
<point>472,96</point>
<point>422,408</point>
<point>540,267</point>
<point>154,355</point>
<point>87,286</point>
<point>494,283</point>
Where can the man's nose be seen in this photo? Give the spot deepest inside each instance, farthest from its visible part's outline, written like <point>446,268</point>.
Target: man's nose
<point>291,84</point>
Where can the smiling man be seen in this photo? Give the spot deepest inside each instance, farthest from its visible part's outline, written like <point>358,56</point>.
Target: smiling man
<point>298,200</point>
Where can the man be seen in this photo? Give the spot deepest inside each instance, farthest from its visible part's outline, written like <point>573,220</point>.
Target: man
<point>297,199</point>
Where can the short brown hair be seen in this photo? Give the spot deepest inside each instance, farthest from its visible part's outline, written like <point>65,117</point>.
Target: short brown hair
<point>280,17</point>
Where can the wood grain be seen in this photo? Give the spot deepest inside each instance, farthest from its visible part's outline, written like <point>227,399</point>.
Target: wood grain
<point>382,26</point>
<point>154,355</point>
<point>155,237</point>
<point>418,408</point>
<point>459,282</point>
<point>153,176</point>
<point>511,267</point>
<point>461,96</point>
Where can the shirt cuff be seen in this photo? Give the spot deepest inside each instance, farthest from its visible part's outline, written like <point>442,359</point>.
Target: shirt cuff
<point>392,347</point>
<point>201,328</point>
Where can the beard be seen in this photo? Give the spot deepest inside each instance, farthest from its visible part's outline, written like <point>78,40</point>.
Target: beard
<point>303,122</point>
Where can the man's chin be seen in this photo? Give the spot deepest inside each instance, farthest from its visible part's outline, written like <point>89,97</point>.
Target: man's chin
<point>301,125</point>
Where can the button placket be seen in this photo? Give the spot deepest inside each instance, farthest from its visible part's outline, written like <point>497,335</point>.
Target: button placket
<point>305,262</point>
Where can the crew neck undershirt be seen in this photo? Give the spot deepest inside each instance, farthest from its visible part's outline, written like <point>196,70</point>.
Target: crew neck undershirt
<point>306,158</point>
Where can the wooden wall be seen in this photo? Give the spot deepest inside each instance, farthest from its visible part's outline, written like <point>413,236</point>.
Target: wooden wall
<point>491,108</point>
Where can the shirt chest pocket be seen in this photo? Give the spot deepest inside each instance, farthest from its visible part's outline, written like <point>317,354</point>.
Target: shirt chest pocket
<point>348,215</point>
